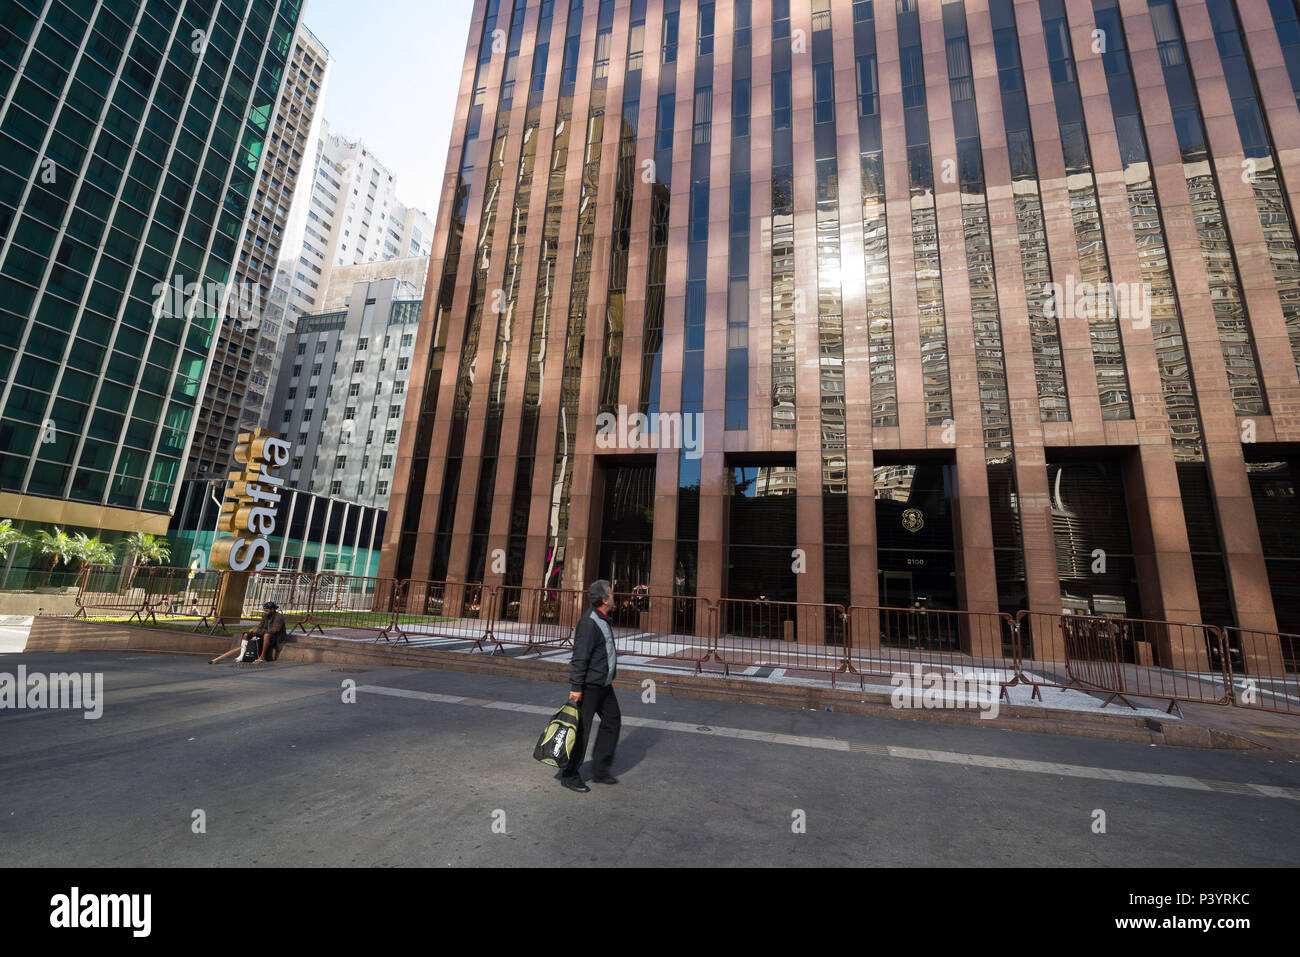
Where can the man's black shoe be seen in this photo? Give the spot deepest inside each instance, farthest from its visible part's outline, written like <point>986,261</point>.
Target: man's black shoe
<point>605,779</point>
<point>575,784</point>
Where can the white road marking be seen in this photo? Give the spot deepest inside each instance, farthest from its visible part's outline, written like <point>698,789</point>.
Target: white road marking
<point>907,754</point>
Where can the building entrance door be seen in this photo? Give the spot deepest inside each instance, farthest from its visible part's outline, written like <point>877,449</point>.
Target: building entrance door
<point>896,589</point>
<point>914,535</point>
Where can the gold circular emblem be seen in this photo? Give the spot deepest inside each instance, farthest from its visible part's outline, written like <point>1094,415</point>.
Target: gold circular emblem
<point>913,520</point>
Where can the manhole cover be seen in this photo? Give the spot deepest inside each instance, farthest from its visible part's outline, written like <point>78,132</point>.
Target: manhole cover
<point>703,727</point>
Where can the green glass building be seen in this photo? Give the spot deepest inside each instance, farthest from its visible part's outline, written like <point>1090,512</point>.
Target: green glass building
<point>131,133</point>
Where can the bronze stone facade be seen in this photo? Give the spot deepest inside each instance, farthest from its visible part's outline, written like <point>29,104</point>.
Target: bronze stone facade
<point>826,230</point>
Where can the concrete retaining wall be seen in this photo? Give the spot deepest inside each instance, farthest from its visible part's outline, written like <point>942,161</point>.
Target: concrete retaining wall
<point>35,603</point>
<point>73,634</point>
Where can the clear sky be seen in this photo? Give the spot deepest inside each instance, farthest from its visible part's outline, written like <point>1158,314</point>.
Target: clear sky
<point>394,82</point>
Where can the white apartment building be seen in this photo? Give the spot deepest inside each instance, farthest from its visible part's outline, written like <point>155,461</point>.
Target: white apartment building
<point>354,216</point>
<point>341,393</point>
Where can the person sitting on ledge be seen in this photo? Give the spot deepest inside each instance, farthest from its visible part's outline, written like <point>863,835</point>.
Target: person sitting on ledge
<point>271,629</point>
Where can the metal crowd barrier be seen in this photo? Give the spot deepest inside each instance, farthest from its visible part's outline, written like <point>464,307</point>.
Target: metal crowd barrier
<point>1265,669</point>
<point>112,588</point>
<point>182,593</point>
<point>292,592</point>
<point>1120,658</point>
<point>1132,657</point>
<point>535,617</point>
<point>440,609</point>
<point>147,592</point>
<point>100,586</point>
<point>352,603</point>
<point>758,636</point>
<point>978,648</point>
<point>670,629</point>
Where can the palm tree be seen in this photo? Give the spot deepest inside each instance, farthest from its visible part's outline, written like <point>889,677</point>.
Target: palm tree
<point>91,551</point>
<point>102,553</point>
<point>146,549</point>
<point>57,547</point>
<point>9,537</point>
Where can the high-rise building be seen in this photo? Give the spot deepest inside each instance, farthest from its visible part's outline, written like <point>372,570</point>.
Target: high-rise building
<point>339,400</point>
<point>353,215</point>
<point>131,135</point>
<point>240,383</point>
<point>341,392</point>
<point>971,304</point>
<point>337,295</point>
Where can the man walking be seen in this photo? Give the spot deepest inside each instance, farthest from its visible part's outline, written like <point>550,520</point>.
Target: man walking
<point>591,683</point>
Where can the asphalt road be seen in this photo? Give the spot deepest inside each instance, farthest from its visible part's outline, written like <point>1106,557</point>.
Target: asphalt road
<point>285,772</point>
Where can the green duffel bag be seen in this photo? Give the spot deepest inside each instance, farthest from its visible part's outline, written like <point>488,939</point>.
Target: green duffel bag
<point>556,743</point>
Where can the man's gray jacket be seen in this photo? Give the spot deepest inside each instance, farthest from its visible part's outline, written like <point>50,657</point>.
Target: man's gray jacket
<point>594,660</point>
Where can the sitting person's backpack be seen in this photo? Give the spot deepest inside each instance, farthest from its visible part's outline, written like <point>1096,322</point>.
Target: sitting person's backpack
<point>252,648</point>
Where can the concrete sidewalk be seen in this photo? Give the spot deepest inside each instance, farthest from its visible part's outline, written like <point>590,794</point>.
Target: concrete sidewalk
<point>1067,712</point>
<point>13,632</point>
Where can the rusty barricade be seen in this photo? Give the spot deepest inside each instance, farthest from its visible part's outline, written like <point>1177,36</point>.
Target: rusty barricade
<point>434,611</point>
<point>292,593</point>
<point>352,606</point>
<point>181,594</point>
<point>1092,654</point>
<point>1265,669</point>
<point>662,629</point>
<point>968,655</point>
<point>535,617</point>
<point>757,636</point>
<point>1126,657</point>
<point>113,590</point>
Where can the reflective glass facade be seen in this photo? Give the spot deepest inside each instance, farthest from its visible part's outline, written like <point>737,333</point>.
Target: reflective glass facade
<point>918,302</point>
<point>130,137</point>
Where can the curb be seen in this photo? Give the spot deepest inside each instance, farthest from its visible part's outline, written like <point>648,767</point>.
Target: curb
<point>69,635</point>
<point>1109,727</point>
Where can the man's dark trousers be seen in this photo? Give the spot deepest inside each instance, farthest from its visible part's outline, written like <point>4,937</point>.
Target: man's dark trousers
<point>596,700</point>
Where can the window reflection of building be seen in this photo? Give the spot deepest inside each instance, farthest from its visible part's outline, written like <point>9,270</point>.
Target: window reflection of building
<point>627,527</point>
<point>1208,214</point>
<point>1260,163</point>
<point>1094,550</point>
<point>1090,243</point>
<point>925,223</point>
<point>894,482</point>
<point>779,480</point>
<point>762,536</point>
<point>1273,489</point>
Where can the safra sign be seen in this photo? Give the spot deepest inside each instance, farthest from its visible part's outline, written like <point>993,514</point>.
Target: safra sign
<point>252,503</point>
